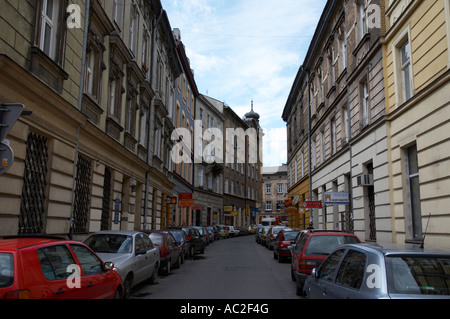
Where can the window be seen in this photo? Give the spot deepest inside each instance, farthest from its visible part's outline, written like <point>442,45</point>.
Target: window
<point>365,109</point>
<point>226,186</point>
<point>405,61</point>
<point>362,19</point>
<point>49,27</point>
<point>133,29</point>
<point>200,177</point>
<point>418,275</point>
<point>268,189</point>
<point>296,171</point>
<point>268,205</point>
<point>414,193</point>
<point>322,147</point>
<point>280,188</point>
<point>351,272</point>
<point>333,136</point>
<point>118,12</point>
<point>345,125</point>
<point>314,153</point>
<point>90,263</point>
<point>143,127</point>
<point>54,261</point>
<point>145,50</point>
<point>6,270</point>
<point>328,268</point>
<point>303,163</point>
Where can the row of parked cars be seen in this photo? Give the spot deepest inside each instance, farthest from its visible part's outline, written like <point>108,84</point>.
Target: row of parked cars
<point>331,264</point>
<point>107,264</point>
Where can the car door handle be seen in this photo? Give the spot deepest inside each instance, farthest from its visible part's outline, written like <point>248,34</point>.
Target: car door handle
<point>90,285</point>
<point>60,292</point>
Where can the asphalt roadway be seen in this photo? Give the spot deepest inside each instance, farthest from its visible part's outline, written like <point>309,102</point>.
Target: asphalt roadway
<point>235,268</point>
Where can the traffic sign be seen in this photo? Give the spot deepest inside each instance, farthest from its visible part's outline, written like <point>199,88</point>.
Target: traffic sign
<point>9,113</point>
<point>6,157</point>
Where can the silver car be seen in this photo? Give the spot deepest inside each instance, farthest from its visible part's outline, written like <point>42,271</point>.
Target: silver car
<point>135,257</point>
<point>371,271</point>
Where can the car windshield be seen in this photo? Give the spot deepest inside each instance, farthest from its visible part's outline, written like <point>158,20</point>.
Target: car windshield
<point>110,243</point>
<point>324,244</point>
<point>418,275</point>
<point>157,238</point>
<point>290,235</point>
<point>6,270</point>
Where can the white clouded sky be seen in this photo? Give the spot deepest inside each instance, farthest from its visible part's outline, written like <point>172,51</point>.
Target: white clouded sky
<point>244,50</point>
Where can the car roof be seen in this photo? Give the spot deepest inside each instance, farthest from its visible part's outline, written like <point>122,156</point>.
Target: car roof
<point>13,244</point>
<point>388,249</point>
<point>117,232</point>
<point>328,233</point>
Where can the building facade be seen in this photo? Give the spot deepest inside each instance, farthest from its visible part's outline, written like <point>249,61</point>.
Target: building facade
<point>186,94</point>
<point>375,84</point>
<point>336,125</point>
<point>88,157</point>
<point>416,74</point>
<point>242,192</point>
<point>208,167</point>
<point>275,192</point>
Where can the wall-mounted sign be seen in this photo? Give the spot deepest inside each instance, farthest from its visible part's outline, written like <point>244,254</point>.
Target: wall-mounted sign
<point>336,198</point>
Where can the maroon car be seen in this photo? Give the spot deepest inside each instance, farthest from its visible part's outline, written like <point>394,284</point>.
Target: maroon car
<point>169,249</point>
<point>284,240</point>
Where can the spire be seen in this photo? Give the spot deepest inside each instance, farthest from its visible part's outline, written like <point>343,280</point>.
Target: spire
<point>252,114</point>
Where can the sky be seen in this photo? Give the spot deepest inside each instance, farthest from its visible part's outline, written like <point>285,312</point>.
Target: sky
<point>244,50</point>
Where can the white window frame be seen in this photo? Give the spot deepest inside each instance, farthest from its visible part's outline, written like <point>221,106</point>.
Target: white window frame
<point>52,23</point>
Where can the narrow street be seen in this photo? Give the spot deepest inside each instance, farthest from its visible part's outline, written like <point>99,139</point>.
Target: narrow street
<point>236,268</point>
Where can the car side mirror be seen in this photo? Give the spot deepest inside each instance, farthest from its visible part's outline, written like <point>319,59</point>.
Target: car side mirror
<point>109,265</point>
<point>315,273</point>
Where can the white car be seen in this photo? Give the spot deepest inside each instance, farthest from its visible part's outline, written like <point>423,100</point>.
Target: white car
<point>233,231</point>
<point>135,257</point>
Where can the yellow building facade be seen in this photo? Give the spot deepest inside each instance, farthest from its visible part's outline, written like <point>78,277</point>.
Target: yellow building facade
<point>416,59</point>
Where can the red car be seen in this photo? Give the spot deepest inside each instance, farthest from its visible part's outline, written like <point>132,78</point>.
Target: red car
<point>311,248</point>
<point>169,249</point>
<point>50,268</point>
<point>285,238</point>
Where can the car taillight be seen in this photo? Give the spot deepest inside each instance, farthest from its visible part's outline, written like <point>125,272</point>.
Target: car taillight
<point>189,238</point>
<point>163,251</point>
<point>306,266</point>
<point>18,294</point>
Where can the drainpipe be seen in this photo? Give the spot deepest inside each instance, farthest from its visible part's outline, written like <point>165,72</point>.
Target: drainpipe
<point>309,143</point>
<point>80,102</point>
<point>350,186</point>
<point>150,124</point>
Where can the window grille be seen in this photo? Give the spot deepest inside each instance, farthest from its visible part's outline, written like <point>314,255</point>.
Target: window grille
<point>82,195</point>
<point>32,211</point>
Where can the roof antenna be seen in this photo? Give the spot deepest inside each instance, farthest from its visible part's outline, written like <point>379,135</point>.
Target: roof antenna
<point>424,234</point>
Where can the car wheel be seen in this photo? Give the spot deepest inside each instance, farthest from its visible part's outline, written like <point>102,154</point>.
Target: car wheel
<point>275,255</point>
<point>293,275</point>
<point>127,286</point>
<point>118,293</point>
<point>298,290</point>
<point>192,252</point>
<point>169,264</point>
<point>154,277</point>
